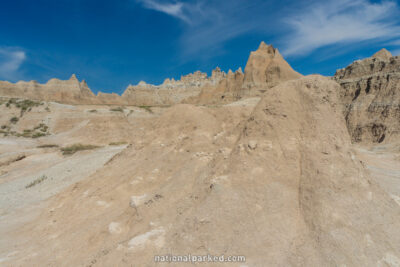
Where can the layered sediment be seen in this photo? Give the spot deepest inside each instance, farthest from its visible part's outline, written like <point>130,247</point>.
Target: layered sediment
<point>371,95</point>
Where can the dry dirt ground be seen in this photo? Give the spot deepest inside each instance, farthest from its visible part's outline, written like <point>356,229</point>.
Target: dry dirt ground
<point>383,162</point>
<point>274,179</point>
<point>115,132</point>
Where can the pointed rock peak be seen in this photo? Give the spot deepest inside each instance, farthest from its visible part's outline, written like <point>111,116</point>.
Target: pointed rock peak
<point>230,71</point>
<point>217,69</point>
<point>382,54</point>
<point>73,78</point>
<point>142,83</point>
<point>239,70</point>
<point>267,48</point>
<point>216,72</point>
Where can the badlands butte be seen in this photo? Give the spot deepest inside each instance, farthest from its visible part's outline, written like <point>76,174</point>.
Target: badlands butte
<point>281,168</point>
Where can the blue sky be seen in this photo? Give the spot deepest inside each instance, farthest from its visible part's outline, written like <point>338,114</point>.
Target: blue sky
<point>112,44</point>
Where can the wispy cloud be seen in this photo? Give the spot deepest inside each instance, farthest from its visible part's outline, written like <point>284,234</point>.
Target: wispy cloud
<point>396,52</point>
<point>298,28</point>
<point>10,61</point>
<point>174,9</point>
<point>208,23</point>
<point>394,43</point>
<point>340,22</point>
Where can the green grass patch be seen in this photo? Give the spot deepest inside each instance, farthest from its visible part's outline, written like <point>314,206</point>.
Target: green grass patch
<point>118,109</point>
<point>69,150</point>
<point>47,146</point>
<point>37,181</point>
<point>147,108</point>
<point>37,135</point>
<point>14,120</point>
<point>24,105</point>
<point>118,143</point>
<point>38,131</point>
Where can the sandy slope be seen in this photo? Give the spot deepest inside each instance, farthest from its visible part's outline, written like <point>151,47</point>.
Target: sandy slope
<point>279,183</point>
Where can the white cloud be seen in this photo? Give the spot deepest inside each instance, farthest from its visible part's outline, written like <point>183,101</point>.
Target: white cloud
<point>10,61</point>
<point>339,22</point>
<point>296,27</point>
<point>174,9</point>
<point>395,42</point>
<point>209,23</point>
<point>396,52</point>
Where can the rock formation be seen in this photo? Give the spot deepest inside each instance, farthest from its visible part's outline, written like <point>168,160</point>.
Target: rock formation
<point>280,184</point>
<point>171,91</point>
<point>227,89</point>
<point>70,91</point>
<point>265,68</point>
<point>371,95</point>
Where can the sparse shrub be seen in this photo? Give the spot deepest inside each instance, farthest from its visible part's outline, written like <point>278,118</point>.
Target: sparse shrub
<point>14,120</point>
<point>93,111</point>
<point>10,102</point>
<point>147,108</point>
<point>44,128</point>
<point>69,150</point>
<point>37,135</point>
<point>37,181</point>
<point>47,146</point>
<point>26,133</point>
<point>36,132</point>
<point>39,126</point>
<point>118,109</point>
<point>118,143</point>
<point>26,105</point>
<point>47,109</point>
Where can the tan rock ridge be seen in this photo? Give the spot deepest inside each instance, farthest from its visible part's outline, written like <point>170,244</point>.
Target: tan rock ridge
<point>265,68</point>
<point>371,95</point>
<point>279,183</point>
<point>226,88</point>
<point>69,91</point>
<point>172,91</point>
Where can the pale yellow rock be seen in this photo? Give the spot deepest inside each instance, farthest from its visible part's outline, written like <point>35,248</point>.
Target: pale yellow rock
<point>266,68</point>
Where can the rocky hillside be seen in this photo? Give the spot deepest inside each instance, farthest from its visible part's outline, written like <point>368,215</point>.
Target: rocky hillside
<point>279,183</point>
<point>264,69</point>
<point>371,94</point>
